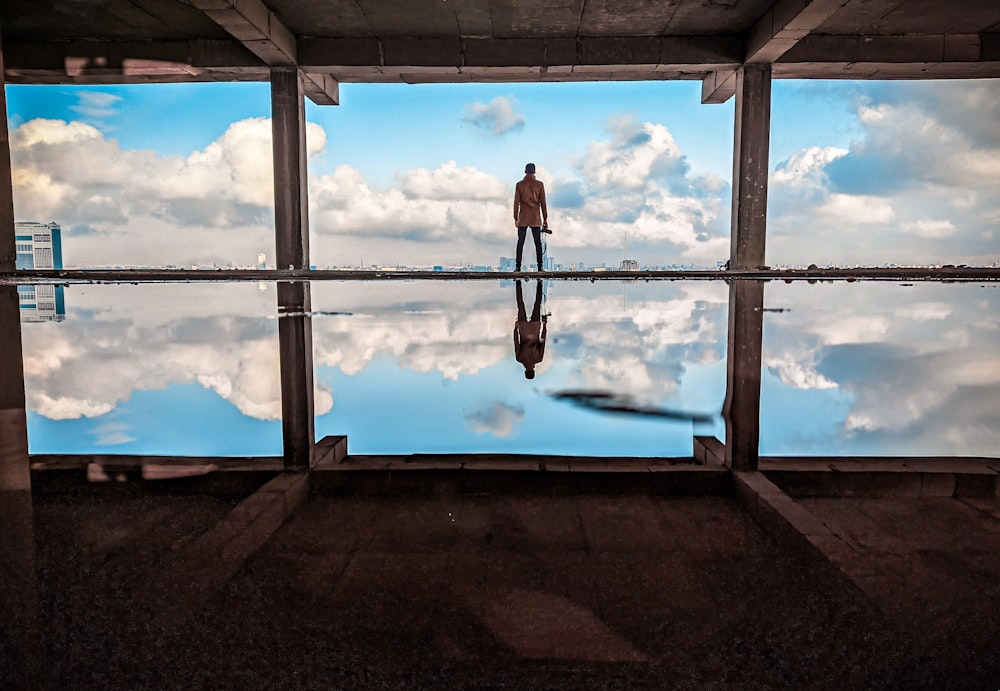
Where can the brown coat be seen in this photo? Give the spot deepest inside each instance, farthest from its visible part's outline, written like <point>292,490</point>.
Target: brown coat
<point>529,202</point>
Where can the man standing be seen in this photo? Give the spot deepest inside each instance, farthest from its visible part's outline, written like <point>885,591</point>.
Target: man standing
<point>530,212</point>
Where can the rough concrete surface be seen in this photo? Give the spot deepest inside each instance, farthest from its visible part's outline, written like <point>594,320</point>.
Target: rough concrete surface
<point>481,591</point>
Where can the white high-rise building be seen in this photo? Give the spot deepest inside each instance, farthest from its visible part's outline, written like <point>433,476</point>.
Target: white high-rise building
<point>39,246</point>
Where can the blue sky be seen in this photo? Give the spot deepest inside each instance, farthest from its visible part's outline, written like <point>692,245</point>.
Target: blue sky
<point>179,174</point>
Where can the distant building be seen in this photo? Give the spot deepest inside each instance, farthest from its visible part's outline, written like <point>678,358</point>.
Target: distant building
<point>39,246</point>
<point>507,264</point>
<point>629,265</point>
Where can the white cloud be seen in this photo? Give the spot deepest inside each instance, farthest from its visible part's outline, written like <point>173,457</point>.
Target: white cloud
<point>150,337</point>
<point>856,208</point>
<point>498,117</point>
<point>498,419</point>
<point>806,166</point>
<point>637,153</point>
<point>918,187</point>
<point>215,205</point>
<point>796,374</point>
<point>96,104</point>
<point>112,434</point>
<point>930,228</point>
<point>449,182</point>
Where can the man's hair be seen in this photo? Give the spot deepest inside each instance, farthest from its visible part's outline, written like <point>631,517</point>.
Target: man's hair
<point>529,374</point>
<point>530,169</point>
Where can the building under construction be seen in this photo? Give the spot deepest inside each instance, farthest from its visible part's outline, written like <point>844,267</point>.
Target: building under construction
<point>324,569</point>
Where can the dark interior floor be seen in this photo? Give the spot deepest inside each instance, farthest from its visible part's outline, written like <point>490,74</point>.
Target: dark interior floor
<point>531,592</point>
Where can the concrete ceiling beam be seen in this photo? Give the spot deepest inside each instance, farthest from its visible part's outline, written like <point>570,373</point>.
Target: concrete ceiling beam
<point>784,25</point>
<point>254,25</point>
<point>260,30</point>
<point>774,34</point>
<point>125,62</point>
<point>719,86</point>
<point>921,56</point>
<point>616,52</point>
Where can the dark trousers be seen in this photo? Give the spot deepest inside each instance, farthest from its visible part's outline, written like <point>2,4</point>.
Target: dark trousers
<point>536,309</point>
<point>536,235</point>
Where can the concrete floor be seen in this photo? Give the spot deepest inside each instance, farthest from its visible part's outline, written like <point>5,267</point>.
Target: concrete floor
<point>483,591</point>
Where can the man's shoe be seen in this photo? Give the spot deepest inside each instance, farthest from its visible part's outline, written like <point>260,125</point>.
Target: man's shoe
<point>517,269</point>
<point>540,267</point>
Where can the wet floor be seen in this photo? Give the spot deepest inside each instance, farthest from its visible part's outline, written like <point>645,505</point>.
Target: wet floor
<point>484,591</point>
<point>626,368</point>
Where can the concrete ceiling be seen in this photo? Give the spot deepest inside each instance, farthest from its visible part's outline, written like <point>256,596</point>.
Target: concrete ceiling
<point>331,41</point>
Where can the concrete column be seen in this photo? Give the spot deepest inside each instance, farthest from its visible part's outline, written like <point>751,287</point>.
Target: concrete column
<point>750,152</point>
<point>741,410</point>
<point>19,633</point>
<point>291,228</point>
<point>8,251</point>
<point>14,470</point>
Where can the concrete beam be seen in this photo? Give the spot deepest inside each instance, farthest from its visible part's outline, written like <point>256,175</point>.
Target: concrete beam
<point>741,409</point>
<point>291,227</point>
<point>718,86</point>
<point>924,56</point>
<point>340,56</point>
<point>254,25</point>
<point>784,25</point>
<point>102,62</point>
<point>750,160</point>
<point>781,27</point>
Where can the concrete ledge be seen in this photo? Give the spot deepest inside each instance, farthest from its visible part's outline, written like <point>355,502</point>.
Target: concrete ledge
<point>330,450</point>
<point>432,474</point>
<point>53,474</point>
<point>885,477</point>
<point>710,451</point>
<point>794,527</point>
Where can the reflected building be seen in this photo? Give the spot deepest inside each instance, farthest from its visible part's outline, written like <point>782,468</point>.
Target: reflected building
<point>39,246</point>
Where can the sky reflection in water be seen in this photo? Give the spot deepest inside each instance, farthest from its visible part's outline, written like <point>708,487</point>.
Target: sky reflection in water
<point>191,369</point>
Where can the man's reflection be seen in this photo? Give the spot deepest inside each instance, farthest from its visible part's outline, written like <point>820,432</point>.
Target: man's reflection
<point>529,334</point>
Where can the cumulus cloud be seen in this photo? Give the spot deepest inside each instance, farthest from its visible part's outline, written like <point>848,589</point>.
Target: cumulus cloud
<point>919,186</point>
<point>498,419</point>
<point>498,117</point>
<point>214,205</point>
<point>636,154</point>
<point>120,339</point>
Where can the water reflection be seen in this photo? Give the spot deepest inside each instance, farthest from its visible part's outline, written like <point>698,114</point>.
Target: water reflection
<point>176,369</point>
<point>529,332</point>
<point>430,367</point>
<point>881,369</point>
<point>403,367</point>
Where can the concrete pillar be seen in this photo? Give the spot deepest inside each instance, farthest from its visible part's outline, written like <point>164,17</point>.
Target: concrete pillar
<point>750,152</point>
<point>14,470</point>
<point>291,228</point>
<point>741,410</point>
<point>19,633</point>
